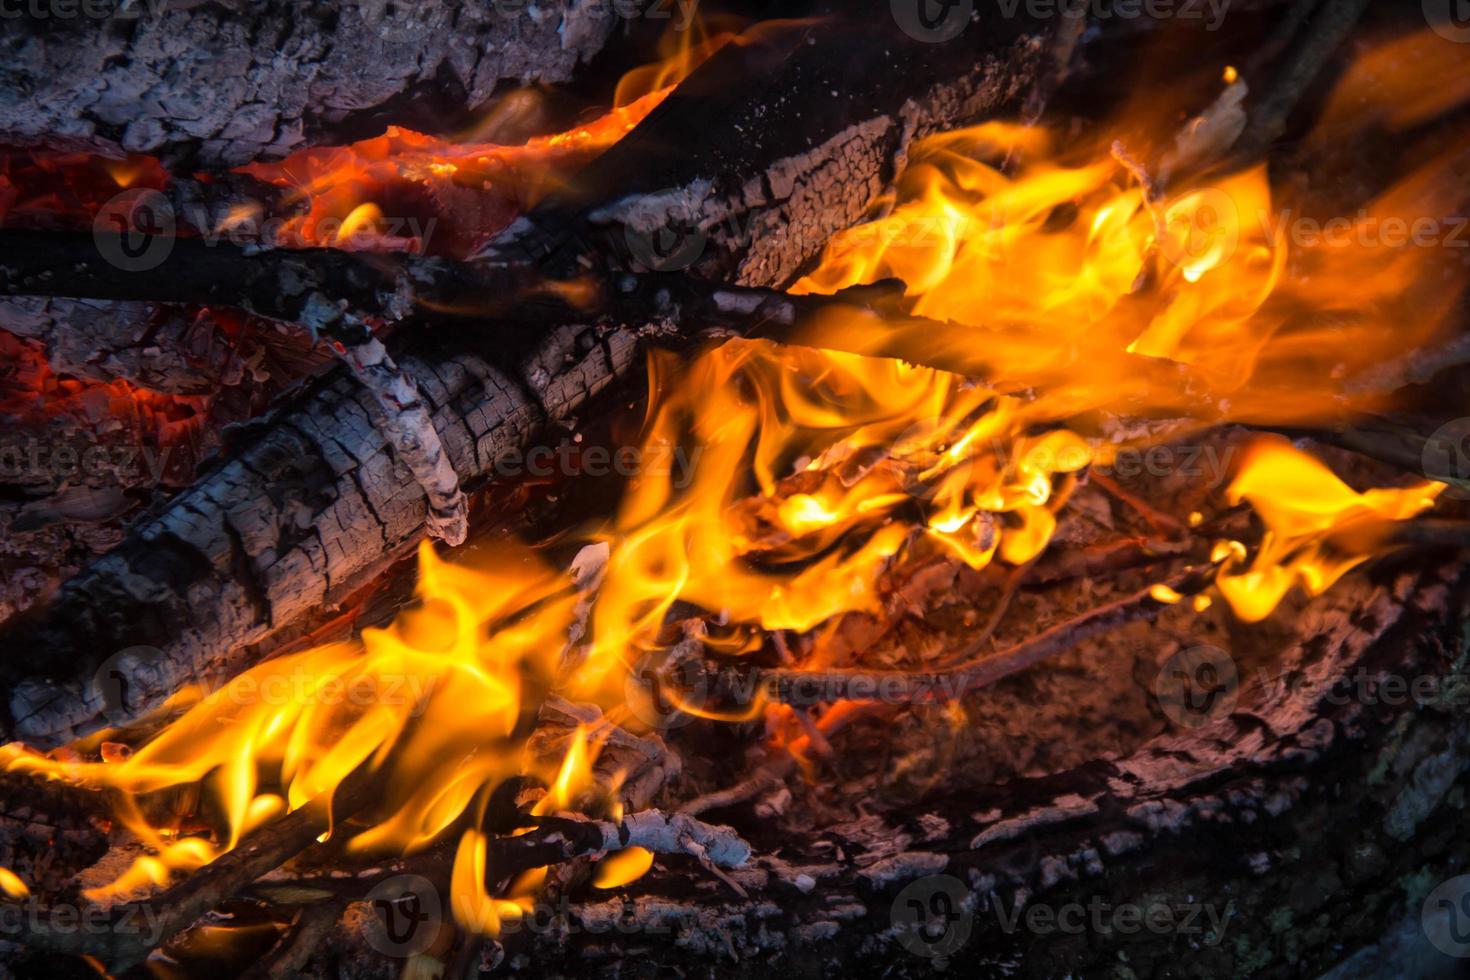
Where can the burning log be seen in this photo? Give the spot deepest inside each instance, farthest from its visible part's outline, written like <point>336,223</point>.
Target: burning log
<point>317,503</point>
<point>211,87</point>
<point>984,791</point>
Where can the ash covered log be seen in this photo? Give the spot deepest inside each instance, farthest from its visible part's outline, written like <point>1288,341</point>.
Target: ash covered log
<point>223,84</point>
<point>812,123</point>
<point>315,503</point>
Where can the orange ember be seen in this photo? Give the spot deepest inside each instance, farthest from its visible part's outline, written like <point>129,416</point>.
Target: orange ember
<point>783,482</point>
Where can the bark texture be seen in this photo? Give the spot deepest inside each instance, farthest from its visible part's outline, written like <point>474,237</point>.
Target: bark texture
<point>220,84</point>
<point>818,123</point>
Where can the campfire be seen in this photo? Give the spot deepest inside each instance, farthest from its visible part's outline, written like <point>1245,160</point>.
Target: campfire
<point>589,488</point>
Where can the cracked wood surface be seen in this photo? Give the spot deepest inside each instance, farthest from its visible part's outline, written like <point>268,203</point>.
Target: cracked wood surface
<point>769,177</point>
<point>317,504</point>
<point>226,83</point>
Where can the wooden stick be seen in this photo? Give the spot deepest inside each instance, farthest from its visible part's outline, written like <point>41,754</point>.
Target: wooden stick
<point>134,929</point>
<point>1324,35</point>
<point>897,686</point>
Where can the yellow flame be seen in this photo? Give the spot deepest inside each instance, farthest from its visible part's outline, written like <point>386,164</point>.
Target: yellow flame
<point>778,484</point>
<point>618,869</point>
<point>1319,528</point>
<point>11,884</point>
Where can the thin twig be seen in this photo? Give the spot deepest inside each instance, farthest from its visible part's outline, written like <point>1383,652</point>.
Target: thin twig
<point>126,942</point>
<point>1164,523</point>
<point>802,687</point>
<point>1331,26</point>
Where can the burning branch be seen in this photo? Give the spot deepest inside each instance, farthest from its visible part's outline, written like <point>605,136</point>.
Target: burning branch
<point>787,686</point>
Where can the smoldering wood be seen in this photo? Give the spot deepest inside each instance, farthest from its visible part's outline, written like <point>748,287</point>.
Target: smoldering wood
<point>126,942</point>
<point>769,177</point>
<point>314,503</point>
<point>220,85</point>
<point>99,340</point>
<point>1300,803</point>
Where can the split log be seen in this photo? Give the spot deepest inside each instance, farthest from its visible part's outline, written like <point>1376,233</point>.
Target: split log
<point>220,85</point>
<point>315,503</point>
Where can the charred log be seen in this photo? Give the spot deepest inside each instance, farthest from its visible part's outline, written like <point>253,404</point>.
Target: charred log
<point>317,503</point>
<point>219,85</point>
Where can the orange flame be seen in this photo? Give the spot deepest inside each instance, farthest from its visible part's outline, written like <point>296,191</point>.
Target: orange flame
<point>445,195</point>
<point>1319,528</point>
<point>779,484</point>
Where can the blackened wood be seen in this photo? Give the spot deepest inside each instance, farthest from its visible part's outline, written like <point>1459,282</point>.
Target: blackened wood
<point>216,85</point>
<point>1315,815</point>
<point>776,143</point>
<point>314,504</point>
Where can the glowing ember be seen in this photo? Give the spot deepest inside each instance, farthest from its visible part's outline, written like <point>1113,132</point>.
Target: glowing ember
<point>470,190</point>
<point>810,472</point>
